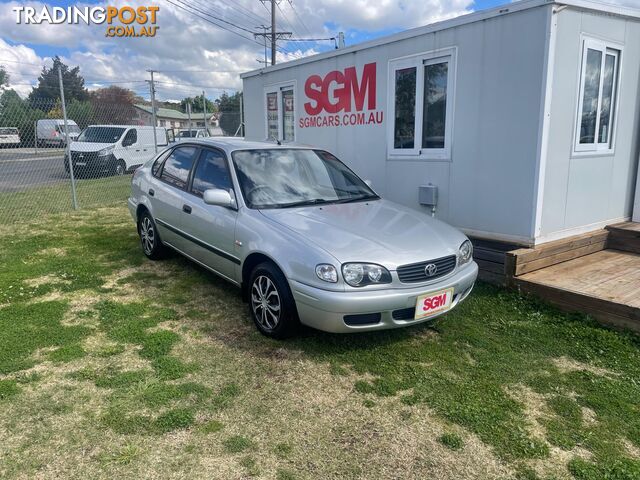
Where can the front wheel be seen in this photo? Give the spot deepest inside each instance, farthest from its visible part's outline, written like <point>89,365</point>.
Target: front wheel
<point>150,238</point>
<point>273,308</point>
<point>120,168</point>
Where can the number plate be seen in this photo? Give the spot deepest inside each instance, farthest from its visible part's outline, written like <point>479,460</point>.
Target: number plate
<point>81,164</point>
<point>434,302</point>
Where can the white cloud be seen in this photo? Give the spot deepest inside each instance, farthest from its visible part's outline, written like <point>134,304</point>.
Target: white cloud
<point>193,54</point>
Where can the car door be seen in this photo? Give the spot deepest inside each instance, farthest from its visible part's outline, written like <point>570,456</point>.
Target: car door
<point>131,150</point>
<point>166,192</point>
<point>213,227</point>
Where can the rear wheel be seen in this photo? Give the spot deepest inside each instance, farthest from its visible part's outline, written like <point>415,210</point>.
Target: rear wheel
<point>150,238</point>
<point>273,308</point>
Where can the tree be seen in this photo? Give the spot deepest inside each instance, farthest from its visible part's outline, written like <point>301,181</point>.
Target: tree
<point>113,105</point>
<point>229,108</point>
<point>4,77</point>
<point>197,104</point>
<point>81,113</point>
<point>15,112</point>
<point>48,90</point>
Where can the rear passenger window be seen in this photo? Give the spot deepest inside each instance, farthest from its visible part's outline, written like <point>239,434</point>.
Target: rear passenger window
<point>176,169</point>
<point>211,172</point>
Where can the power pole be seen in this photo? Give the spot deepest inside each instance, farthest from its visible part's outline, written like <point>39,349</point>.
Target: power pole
<point>273,32</point>
<point>152,87</point>
<point>274,36</point>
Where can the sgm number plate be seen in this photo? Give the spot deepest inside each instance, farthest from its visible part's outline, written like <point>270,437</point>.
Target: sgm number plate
<point>435,302</point>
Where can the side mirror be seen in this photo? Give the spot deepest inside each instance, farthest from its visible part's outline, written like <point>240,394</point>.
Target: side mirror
<point>219,197</point>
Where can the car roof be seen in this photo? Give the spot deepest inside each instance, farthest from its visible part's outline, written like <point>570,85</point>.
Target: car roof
<point>231,144</point>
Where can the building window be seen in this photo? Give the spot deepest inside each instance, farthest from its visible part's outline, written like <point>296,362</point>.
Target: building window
<point>272,116</point>
<point>422,88</point>
<point>597,97</point>
<point>280,118</point>
<point>287,116</point>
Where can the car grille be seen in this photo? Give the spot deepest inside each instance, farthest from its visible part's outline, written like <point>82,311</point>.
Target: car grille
<point>88,157</point>
<point>404,313</point>
<point>416,271</point>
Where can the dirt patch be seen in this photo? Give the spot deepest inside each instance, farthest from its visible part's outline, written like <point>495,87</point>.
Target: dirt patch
<point>565,365</point>
<point>46,280</point>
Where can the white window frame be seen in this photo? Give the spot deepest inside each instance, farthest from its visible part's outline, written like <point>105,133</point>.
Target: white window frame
<point>420,61</point>
<point>278,88</point>
<point>607,48</point>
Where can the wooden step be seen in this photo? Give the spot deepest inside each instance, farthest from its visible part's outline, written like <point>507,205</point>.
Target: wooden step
<point>524,260</point>
<point>624,236</point>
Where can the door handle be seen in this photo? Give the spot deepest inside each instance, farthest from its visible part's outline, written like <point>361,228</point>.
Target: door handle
<point>137,149</point>
<point>186,209</point>
<point>152,192</point>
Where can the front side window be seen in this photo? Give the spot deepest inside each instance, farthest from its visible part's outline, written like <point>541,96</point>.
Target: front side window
<point>285,178</point>
<point>422,105</point>
<point>211,172</point>
<point>598,89</point>
<point>131,138</point>
<point>175,170</point>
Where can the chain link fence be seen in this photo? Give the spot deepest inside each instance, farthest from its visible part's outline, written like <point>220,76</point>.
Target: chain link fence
<point>57,156</point>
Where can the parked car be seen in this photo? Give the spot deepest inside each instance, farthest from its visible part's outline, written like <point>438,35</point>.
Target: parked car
<point>301,234</point>
<point>9,137</point>
<point>50,132</point>
<point>193,133</point>
<point>113,149</point>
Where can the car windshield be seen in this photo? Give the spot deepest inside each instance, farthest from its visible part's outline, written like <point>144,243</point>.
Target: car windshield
<point>281,178</point>
<point>8,131</point>
<point>101,134</point>
<point>72,128</point>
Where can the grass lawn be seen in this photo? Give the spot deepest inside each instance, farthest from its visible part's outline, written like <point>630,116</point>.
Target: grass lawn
<point>114,366</point>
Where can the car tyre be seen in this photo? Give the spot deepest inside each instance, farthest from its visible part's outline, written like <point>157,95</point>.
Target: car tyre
<point>271,302</point>
<point>150,241</point>
<point>120,168</point>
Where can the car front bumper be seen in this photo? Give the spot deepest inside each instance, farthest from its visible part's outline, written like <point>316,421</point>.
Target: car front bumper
<point>325,310</point>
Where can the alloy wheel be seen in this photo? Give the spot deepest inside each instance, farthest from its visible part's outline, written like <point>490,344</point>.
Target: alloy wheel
<point>265,302</point>
<point>147,235</point>
<point>120,169</point>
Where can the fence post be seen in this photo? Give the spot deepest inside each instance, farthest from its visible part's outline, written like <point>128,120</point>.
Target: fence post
<point>66,141</point>
<point>189,114</point>
<point>153,111</point>
<point>204,108</point>
<point>241,114</point>
<point>35,136</point>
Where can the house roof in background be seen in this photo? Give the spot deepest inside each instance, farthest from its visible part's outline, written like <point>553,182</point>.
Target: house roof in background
<point>173,114</point>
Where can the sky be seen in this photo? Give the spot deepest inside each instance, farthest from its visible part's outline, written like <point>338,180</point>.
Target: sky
<point>191,54</point>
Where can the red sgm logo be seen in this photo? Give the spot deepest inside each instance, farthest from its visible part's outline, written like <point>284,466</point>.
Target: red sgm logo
<point>435,303</point>
<point>341,99</point>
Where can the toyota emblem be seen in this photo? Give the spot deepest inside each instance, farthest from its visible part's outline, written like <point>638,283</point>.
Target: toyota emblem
<point>430,270</point>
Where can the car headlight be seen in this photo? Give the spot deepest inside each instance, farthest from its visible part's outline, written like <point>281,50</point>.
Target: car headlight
<point>327,272</point>
<point>361,274</point>
<point>465,252</point>
<point>105,151</point>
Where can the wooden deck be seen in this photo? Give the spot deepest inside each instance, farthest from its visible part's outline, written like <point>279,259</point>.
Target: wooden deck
<point>605,284</point>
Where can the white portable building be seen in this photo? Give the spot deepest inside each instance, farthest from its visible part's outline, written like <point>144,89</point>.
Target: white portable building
<point>526,118</point>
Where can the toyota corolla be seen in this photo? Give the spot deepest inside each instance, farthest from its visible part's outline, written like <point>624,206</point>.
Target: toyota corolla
<point>305,238</point>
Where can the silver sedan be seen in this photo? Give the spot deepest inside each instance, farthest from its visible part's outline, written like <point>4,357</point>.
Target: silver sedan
<point>305,238</point>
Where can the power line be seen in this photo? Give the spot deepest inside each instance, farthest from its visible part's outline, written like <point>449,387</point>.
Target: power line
<point>212,22</point>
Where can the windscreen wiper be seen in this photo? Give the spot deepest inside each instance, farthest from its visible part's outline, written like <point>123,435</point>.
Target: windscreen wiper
<point>359,198</point>
<point>302,203</point>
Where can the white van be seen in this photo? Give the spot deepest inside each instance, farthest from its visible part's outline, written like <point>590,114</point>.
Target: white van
<point>114,149</point>
<point>50,132</point>
<point>9,137</point>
